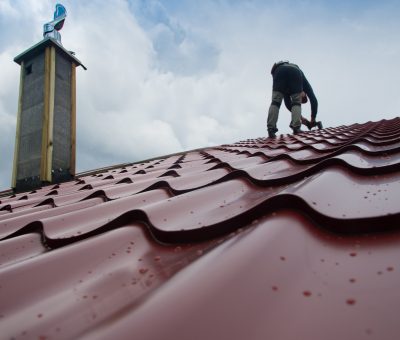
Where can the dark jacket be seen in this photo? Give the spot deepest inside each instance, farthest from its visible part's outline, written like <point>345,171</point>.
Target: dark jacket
<point>310,94</point>
<point>288,79</point>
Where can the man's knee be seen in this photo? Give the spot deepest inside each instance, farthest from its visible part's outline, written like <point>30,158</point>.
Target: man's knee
<point>277,98</point>
<point>276,103</point>
<point>296,99</point>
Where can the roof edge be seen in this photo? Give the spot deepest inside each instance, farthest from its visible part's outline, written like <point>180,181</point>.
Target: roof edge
<point>8,192</point>
<point>111,167</point>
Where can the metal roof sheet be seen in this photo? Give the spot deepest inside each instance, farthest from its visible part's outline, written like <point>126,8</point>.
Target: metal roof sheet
<point>296,237</point>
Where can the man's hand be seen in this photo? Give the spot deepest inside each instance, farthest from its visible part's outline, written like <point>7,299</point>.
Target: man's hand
<point>313,123</point>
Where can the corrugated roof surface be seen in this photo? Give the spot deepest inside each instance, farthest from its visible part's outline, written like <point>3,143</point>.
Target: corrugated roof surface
<point>297,237</point>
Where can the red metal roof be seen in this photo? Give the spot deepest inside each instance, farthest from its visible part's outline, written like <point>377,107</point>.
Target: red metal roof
<point>292,238</point>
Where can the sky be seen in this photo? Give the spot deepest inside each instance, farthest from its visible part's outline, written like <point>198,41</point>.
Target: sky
<point>166,76</point>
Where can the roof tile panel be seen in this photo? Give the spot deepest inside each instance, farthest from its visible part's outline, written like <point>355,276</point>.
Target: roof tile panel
<point>115,272</point>
<point>305,226</point>
<point>281,270</point>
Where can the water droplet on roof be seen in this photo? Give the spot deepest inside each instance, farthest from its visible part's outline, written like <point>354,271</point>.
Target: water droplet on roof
<point>350,301</point>
<point>143,270</point>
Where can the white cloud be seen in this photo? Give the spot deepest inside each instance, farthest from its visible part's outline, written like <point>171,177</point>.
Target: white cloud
<point>164,78</point>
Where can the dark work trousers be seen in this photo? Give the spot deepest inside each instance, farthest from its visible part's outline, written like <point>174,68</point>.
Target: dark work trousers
<point>287,80</point>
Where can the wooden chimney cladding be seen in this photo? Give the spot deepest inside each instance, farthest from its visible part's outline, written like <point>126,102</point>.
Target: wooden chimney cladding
<point>45,138</point>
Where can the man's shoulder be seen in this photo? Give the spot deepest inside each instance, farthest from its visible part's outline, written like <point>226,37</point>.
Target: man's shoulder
<point>284,63</point>
<point>277,64</point>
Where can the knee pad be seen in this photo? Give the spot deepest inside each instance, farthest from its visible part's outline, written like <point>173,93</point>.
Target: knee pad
<point>278,104</point>
<point>296,99</point>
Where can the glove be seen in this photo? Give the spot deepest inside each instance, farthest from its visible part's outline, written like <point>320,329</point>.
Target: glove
<point>313,123</point>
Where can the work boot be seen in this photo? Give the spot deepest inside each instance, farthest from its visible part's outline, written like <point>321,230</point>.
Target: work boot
<point>296,130</point>
<point>272,132</point>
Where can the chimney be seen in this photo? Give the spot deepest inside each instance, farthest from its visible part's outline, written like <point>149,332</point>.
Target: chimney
<point>46,119</point>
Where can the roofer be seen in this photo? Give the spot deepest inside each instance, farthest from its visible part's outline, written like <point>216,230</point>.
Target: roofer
<point>291,85</point>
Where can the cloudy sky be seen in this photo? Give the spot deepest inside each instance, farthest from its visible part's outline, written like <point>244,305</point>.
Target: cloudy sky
<point>171,75</point>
